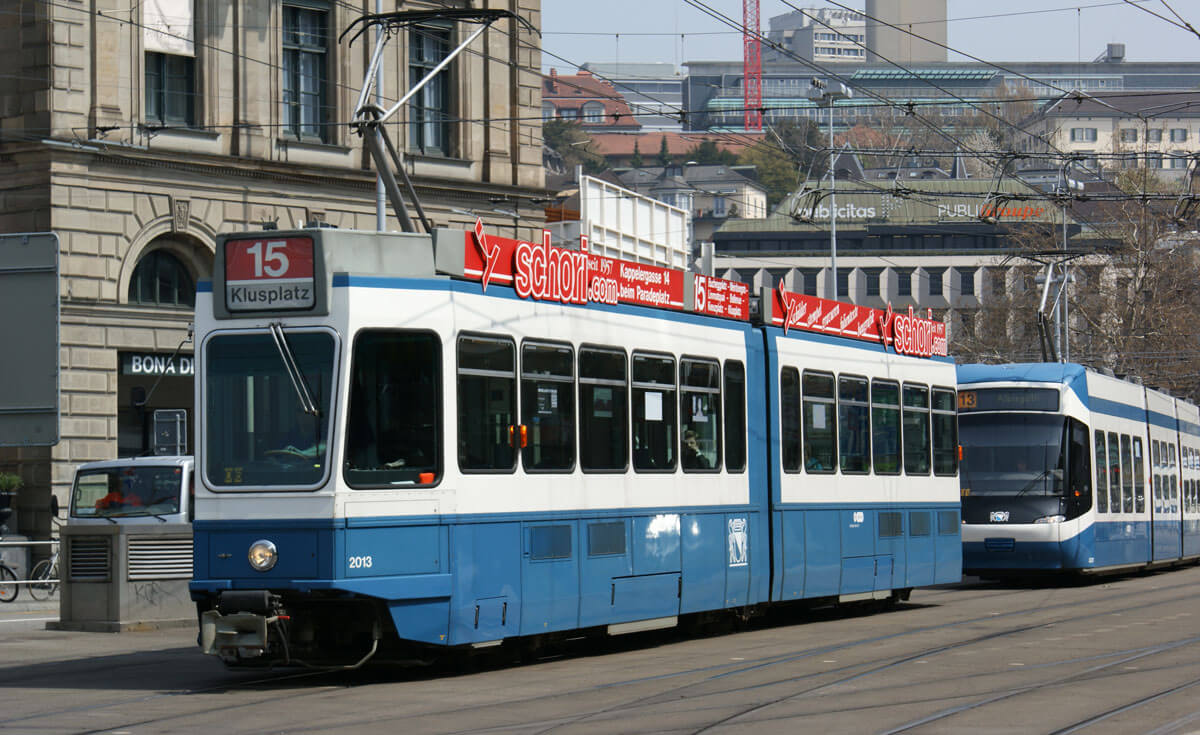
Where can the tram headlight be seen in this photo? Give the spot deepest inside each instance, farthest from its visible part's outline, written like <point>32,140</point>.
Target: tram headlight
<point>1050,519</point>
<point>262,555</point>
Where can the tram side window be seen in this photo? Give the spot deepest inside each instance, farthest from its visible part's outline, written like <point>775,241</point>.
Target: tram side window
<point>1158,495</point>
<point>854,424</point>
<point>885,427</point>
<point>735,416</point>
<point>916,430</point>
<point>1079,469</point>
<point>1171,447</point>
<point>1155,453</point>
<point>603,410</point>
<point>653,413</point>
<point>945,432</point>
<point>700,414</point>
<point>1139,476</point>
<point>1126,474</point>
<point>548,407</point>
<point>789,418</point>
<point>1174,493</point>
<point>820,427</point>
<point>393,430</point>
<point>1114,473</point>
<point>487,403</point>
<point>1101,475</point>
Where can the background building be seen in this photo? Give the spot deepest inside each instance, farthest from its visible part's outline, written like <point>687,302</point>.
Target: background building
<point>926,18</point>
<point>138,136</point>
<point>817,34</point>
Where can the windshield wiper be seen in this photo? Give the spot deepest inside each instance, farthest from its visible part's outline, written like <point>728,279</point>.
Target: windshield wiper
<point>293,370</point>
<point>1039,478</point>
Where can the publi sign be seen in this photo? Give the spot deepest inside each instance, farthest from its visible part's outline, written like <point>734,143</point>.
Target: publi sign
<point>269,274</point>
<point>157,363</point>
<point>544,272</point>
<point>907,334</point>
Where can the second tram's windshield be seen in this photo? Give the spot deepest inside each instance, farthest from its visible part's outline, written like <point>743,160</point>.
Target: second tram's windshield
<point>1013,454</point>
<point>124,492</point>
<point>257,431</point>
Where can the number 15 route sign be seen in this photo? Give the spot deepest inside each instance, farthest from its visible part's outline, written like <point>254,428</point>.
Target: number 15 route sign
<point>269,274</point>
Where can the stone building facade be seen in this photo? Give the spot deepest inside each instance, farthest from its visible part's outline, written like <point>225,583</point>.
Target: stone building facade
<point>138,135</point>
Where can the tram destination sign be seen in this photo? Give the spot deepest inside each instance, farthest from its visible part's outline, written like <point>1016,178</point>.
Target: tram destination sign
<point>269,274</point>
<point>544,272</point>
<point>907,334</point>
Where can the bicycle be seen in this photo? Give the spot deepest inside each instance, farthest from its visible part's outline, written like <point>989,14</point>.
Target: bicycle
<point>8,590</point>
<point>44,577</point>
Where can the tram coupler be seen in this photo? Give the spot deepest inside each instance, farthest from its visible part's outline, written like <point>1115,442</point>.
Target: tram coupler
<point>237,629</point>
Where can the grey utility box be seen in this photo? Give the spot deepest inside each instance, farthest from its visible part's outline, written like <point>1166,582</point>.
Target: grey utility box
<point>119,578</point>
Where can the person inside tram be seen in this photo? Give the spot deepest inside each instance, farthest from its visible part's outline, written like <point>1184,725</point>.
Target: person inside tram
<point>692,458</point>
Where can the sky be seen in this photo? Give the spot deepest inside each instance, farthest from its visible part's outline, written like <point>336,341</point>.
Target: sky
<point>575,32</point>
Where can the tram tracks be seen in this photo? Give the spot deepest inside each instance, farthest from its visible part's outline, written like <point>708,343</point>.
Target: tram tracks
<point>692,680</point>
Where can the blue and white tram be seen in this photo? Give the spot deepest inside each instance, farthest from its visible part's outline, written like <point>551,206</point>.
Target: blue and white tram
<point>1067,469</point>
<point>458,439</point>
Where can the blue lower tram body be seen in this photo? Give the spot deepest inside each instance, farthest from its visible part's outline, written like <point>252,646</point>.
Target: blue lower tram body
<point>1098,547</point>
<point>450,584</point>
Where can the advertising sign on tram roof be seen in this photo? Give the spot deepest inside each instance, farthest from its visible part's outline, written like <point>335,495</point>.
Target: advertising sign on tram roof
<point>544,272</point>
<point>907,334</point>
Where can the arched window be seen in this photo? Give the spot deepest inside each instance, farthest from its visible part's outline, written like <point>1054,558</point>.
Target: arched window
<point>160,279</point>
<point>593,112</point>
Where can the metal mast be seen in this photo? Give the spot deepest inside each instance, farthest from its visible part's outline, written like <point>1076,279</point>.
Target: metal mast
<point>751,66</point>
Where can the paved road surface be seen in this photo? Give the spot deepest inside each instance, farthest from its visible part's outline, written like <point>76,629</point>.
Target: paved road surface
<point>1113,656</point>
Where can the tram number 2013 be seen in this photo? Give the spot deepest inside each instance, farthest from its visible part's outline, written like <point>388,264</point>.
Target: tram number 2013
<point>360,562</point>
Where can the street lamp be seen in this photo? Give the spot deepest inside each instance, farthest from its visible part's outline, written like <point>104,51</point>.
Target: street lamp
<point>822,92</point>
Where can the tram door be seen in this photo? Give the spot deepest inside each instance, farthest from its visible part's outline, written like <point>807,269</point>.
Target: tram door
<point>1166,510</point>
<point>550,577</point>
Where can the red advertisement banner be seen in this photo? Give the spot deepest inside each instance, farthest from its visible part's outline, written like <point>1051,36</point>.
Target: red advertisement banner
<point>718,297</point>
<point>547,273</point>
<point>907,334</point>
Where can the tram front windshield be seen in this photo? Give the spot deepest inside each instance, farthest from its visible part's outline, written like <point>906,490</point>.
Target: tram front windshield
<point>257,431</point>
<point>1012,454</point>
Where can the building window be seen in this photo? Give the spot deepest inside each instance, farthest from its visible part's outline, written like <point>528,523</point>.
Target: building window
<point>935,282</point>
<point>843,282</point>
<point>305,93</point>
<point>548,111</point>
<point>1154,160</point>
<point>1178,135</point>
<point>170,89</point>
<point>719,209</point>
<point>593,112</point>
<point>810,282</point>
<point>429,110</point>
<point>1083,135</point>
<point>966,281</point>
<point>1129,135</point>
<point>1179,159</point>
<point>872,278</point>
<point>160,279</point>
<point>1154,136</point>
<point>904,283</point>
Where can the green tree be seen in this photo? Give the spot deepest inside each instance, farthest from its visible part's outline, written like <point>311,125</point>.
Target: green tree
<point>636,159</point>
<point>707,151</point>
<point>664,155</point>
<point>790,153</point>
<point>574,144</point>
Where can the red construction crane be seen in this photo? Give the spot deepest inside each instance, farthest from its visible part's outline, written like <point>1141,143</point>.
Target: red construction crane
<point>752,66</point>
